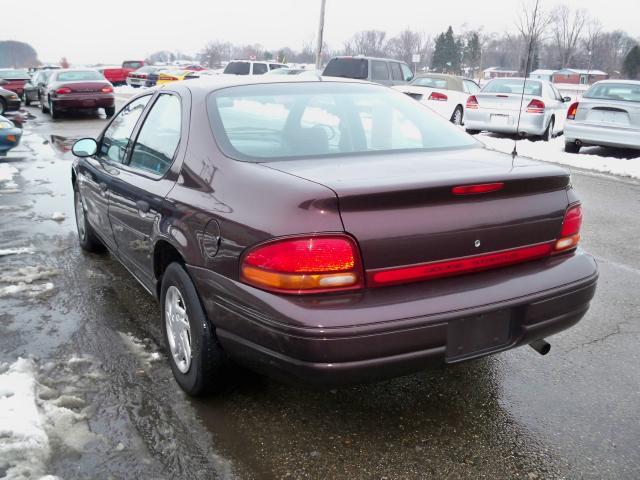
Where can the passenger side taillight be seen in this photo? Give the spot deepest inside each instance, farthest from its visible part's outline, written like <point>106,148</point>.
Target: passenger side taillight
<point>573,110</point>
<point>570,233</point>
<point>535,106</point>
<point>438,97</point>
<point>106,89</point>
<point>472,102</point>
<point>303,265</point>
<point>63,91</point>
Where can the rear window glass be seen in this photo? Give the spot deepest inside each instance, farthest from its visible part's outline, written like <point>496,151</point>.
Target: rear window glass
<point>431,82</point>
<point>134,64</point>
<point>237,68</point>
<point>615,91</point>
<point>348,68</point>
<point>508,85</point>
<point>78,76</point>
<point>14,74</point>
<point>285,121</point>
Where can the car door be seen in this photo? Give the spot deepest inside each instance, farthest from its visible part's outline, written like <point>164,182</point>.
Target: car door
<point>380,72</point>
<point>137,194</point>
<point>560,108</point>
<point>96,174</point>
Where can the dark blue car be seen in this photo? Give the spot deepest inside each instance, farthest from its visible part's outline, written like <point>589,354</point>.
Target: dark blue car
<point>9,135</point>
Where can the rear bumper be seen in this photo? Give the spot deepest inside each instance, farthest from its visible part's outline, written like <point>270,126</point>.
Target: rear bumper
<point>85,101</point>
<point>505,122</point>
<point>379,333</point>
<point>13,105</point>
<point>602,135</point>
<point>9,138</point>
<point>140,82</point>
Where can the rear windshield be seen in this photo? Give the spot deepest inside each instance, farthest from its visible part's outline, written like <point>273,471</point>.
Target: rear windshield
<point>78,76</point>
<point>614,91</point>
<point>508,85</point>
<point>347,68</point>
<point>237,68</point>
<point>133,64</point>
<point>431,82</point>
<point>14,75</point>
<point>282,121</point>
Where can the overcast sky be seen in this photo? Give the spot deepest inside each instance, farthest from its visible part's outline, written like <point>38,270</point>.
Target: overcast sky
<point>110,31</point>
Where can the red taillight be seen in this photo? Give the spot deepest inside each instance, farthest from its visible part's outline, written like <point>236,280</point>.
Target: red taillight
<point>63,91</point>
<point>458,266</point>
<point>573,110</point>
<point>472,102</point>
<point>297,265</point>
<point>106,89</point>
<point>570,233</point>
<point>535,106</point>
<point>475,189</point>
<point>438,97</point>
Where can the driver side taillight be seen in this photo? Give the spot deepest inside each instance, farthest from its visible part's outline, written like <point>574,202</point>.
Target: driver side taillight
<point>570,233</point>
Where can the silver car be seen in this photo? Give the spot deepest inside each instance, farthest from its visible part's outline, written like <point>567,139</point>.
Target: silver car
<point>496,108</point>
<point>608,115</point>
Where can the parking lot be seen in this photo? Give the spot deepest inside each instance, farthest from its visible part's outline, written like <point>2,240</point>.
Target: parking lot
<point>113,410</point>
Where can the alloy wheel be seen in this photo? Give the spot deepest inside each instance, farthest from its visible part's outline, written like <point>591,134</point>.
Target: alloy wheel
<point>178,329</point>
<point>80,223</point>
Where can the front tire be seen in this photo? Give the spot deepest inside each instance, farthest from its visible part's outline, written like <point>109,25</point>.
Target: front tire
<point>196,358</point>
<point>87,238</point>
<point>547,136</point>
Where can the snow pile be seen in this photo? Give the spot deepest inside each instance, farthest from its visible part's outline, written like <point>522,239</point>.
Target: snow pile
<point>7,172</point>
<point>145,349</point>
<point>16,251</point>
<point>28,274</point>
<point>58,217</point>
<point>36,419</point>
<point>30,290</point>
<point>553,151</point>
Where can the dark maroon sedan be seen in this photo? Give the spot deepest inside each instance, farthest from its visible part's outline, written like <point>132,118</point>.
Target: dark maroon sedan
<point>76,89</point>
<point>327,231</point>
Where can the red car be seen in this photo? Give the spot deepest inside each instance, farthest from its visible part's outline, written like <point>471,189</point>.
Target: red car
<point>15,80</point>
<point>118,75</point>
<point>77,89</point>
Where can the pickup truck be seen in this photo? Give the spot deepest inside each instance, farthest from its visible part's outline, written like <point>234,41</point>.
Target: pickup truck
<point>118,75</point>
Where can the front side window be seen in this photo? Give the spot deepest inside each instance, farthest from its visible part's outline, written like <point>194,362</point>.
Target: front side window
<point>379,70</point>
<point>159,136</point>
<point>259,68</point>
<point>116,138</point>
<point>270,122</point>
<point>471,87</point>
<point>406,71</point>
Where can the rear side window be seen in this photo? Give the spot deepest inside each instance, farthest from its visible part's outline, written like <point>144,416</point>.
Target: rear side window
<point>275,66</point>
<point>379,70</point>
<point>115,140</point>
<point>259,68</point>
<point>237,68</point>
<point>396,71</point>
<point>357,68</point>
<point>159,136</point>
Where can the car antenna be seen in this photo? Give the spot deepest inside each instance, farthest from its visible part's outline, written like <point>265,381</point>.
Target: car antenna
<point>532,30</point>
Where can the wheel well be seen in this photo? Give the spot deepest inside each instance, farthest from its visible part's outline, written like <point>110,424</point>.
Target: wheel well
<point>163,255</point>
<point>73,178</point>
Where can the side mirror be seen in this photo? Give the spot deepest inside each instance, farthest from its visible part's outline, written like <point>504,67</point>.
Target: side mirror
<point>566,99</point>
<point>3,82</point>
<point>85,147</point>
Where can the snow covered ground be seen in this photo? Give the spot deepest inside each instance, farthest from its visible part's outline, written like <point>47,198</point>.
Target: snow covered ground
<point>624,163</point>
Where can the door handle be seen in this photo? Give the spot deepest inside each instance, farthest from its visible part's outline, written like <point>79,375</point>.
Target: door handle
<point>143,206</point>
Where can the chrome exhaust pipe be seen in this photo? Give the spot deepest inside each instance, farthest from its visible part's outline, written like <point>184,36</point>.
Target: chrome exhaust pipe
<point>541,346</point>
<point>579,143</point>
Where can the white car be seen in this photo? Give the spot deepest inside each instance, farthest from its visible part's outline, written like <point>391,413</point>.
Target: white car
<point>517,106</point>
<point>445,94</point>
<point>251,67</point>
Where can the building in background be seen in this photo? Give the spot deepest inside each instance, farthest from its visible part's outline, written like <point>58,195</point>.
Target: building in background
<point>498,72</point>
<point>574,76</point>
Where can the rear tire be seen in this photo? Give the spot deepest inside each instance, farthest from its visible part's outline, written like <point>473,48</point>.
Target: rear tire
<point>110,111</point>
<point>571,147</point>
<point>87,238</point>
<point>547,136</point>
<point>202,370</point>
<point>44,106</point>
<point>27,102</point>
<point>472,132</point>
<point>53,111</point>
<point>456,118</point>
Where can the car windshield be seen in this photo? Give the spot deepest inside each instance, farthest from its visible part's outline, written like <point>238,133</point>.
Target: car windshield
<point>615,91</point>
<point>14,75</point>
<point>269,122</point>
<point>132,64</point>
<point>357,68</point>
<point>509,85</point>
<point>237,68</point>
<point>432,82</point>
<point>73,76</point>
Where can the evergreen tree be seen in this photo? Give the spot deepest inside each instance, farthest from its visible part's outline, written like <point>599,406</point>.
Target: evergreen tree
<point>447,53</point>
<point>631,64</point>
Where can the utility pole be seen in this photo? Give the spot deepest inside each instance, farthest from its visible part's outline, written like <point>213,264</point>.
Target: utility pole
<point>320,35</point>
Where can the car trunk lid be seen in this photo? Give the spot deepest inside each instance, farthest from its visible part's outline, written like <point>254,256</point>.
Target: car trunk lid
<point>402,211</point>
<point>608,113</point>
<point>503,101</point>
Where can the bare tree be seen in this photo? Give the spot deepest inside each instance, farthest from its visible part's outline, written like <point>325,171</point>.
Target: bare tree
<point>215,52</point>
<point>532,24</point>
<point>567,26</point>
<point>407,43</point>
<point>368,42</point>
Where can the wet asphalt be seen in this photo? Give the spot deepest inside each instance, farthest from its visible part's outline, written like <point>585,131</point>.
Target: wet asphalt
<point>574,413</point>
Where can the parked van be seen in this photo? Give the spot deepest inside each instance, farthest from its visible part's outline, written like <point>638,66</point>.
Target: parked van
<point>379,70</point>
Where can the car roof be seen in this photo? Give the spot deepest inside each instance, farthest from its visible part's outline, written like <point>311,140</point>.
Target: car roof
<point>631,82</point>
<point>363,57</point>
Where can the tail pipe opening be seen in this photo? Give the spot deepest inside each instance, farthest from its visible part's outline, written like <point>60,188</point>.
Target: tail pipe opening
<point>541,346</point>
